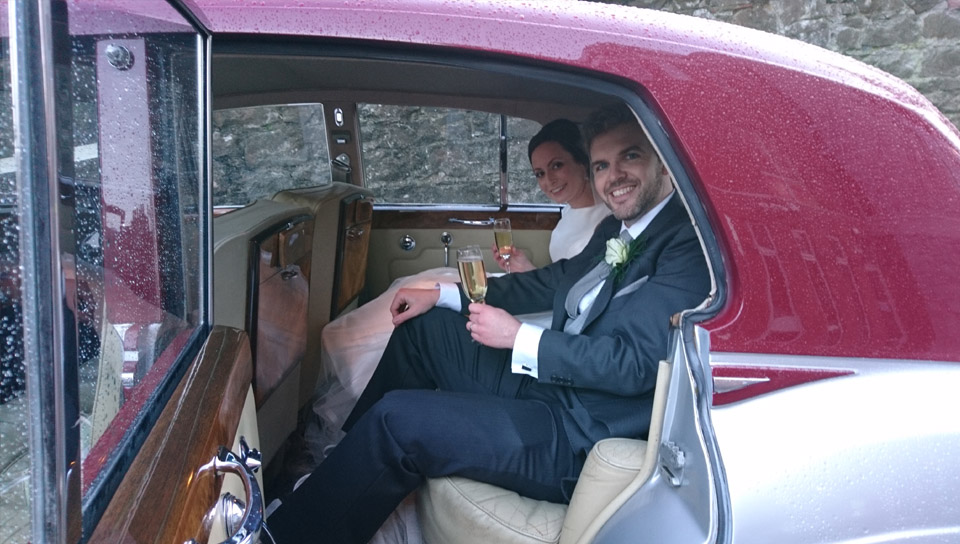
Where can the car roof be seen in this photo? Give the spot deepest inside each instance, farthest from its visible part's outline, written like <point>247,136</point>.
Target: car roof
<point>833,188</point>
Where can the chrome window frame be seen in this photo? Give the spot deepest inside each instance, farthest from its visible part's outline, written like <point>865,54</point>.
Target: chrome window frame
<point>60,512</point>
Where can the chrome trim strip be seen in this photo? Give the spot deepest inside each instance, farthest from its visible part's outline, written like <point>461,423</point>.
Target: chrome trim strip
<point>504,202</point>
<point>34,93</point>
<point>528,208</point>
<point>205,93</point>
<point>860,364</point>
<point>722,384</point>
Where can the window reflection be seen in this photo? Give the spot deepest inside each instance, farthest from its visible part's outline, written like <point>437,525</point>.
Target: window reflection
<point>136,218</point>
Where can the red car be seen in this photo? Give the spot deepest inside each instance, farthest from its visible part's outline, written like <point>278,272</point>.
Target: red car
<point>191,190</point>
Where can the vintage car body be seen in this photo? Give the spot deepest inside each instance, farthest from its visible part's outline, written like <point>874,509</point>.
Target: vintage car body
<point>812,393</point>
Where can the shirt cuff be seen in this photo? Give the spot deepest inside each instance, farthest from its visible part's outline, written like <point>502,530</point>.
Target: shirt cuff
<point>525,348</point>
<point>449,296</point>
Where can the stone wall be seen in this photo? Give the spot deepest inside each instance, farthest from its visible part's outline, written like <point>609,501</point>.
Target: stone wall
<point>915,40</point>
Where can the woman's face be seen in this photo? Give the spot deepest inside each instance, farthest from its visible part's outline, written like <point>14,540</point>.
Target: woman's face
<point>560,177</point>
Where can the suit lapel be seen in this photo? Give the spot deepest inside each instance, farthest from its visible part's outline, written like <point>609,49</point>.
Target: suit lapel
<point>656,228</point>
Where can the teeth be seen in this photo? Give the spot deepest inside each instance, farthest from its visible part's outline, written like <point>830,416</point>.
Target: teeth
<point>621,192</point>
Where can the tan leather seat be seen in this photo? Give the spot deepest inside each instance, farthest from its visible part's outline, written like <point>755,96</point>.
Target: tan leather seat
<point>455,510</point>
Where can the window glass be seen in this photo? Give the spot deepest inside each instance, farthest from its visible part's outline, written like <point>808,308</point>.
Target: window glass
<point>522,187</point>
<point>261,150</point>
<point>420,155</point>
<point>136,177</point>
<point>14,453</point>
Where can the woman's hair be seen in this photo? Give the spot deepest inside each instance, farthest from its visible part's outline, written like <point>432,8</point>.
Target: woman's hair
<point>565,133</point>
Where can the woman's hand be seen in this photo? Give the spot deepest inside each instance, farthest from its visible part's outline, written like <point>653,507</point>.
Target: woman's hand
<point>518,260</point>
<point>492,326</point>
<point>409,303</point>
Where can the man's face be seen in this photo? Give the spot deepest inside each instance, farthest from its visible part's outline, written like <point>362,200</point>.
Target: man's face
<point>627,174</point>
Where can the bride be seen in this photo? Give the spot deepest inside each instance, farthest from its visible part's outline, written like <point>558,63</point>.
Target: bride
<point>352,344</point>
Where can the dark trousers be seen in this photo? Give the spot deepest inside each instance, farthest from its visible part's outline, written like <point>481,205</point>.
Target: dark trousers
<point>438,404</point>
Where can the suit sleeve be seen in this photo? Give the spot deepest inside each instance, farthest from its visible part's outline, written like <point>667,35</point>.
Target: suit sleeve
<point>619,352</point>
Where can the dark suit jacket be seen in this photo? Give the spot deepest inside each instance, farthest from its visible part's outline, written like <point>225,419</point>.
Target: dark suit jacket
<point>605,376</point>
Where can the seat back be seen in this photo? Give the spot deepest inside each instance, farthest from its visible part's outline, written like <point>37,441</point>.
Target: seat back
<point>343,216</point>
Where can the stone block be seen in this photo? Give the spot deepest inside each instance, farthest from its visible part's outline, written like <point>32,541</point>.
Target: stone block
<point>792,11</point>
<point>902,31</point>
<point>941,62</point>
<point>815,31</point>
<point>726,5</point>
<point>756,17</point>
<point>922,6</point>
<point>849,38</point>
<point>880,6</point>
<point>944,25</point>
<point>901,63</point>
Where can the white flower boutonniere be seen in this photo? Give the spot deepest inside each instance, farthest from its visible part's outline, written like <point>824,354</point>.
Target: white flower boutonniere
<point>616,252</point>
<point>619,254</point>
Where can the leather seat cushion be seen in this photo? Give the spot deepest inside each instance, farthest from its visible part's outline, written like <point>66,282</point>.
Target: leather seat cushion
<point>455,510</point>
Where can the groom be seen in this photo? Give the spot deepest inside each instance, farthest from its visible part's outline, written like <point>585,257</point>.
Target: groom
<point>474,392</point>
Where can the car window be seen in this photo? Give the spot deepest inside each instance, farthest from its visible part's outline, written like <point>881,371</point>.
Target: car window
<point>129,178</point>
<point>258,151</point>
<point>14,453</point>
<point>522,187</point>
<point>427,155</point>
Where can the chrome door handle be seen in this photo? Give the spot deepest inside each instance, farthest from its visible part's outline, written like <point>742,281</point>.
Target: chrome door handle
<point>243,466</point>
<point>472,222</point>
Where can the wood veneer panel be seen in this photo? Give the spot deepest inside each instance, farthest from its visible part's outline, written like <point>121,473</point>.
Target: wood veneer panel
<point>440,219</point>
<point>164,495</point>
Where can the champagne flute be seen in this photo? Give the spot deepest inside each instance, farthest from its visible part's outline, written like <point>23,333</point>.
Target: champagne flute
<point>504,237</point>
<point>473,278</point>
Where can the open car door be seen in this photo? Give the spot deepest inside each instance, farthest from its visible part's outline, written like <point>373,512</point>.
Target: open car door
<point>136,413</point>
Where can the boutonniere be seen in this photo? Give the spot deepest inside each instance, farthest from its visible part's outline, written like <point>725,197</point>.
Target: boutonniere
<point>619,254</point>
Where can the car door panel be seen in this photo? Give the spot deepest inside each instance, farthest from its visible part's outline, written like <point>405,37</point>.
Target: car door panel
<point>388,259</point>
<point>170,485</point>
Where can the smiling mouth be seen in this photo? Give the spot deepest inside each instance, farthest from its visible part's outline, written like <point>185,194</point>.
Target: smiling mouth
<point>620,191</point>
<point>557,190</point>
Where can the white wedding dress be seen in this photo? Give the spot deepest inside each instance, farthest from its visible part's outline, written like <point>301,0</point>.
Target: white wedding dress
<point>352,345</point>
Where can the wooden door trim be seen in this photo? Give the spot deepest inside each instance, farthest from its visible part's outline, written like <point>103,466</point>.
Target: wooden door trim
<point>164,496</point>
<point>440,219</point>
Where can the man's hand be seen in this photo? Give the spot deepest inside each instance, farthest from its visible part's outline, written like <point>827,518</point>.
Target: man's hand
<point>492,326</point>
<point>518,260</point>
<point>409,303</point>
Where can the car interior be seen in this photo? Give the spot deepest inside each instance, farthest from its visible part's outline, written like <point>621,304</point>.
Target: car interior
<point>292,260</point>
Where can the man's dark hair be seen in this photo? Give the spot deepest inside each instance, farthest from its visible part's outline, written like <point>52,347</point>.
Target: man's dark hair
<point>605,119</point>
<point>565,133</point>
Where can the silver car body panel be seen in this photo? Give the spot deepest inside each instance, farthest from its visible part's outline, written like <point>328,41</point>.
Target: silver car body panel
<point>679,503</point>
<point>865,458</point>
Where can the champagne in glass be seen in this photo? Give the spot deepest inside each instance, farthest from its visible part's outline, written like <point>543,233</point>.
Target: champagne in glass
<point>473,277</point>
<point>504,237</point>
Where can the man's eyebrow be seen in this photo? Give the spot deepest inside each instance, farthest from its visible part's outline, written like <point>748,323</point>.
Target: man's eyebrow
<point>634,147</point>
